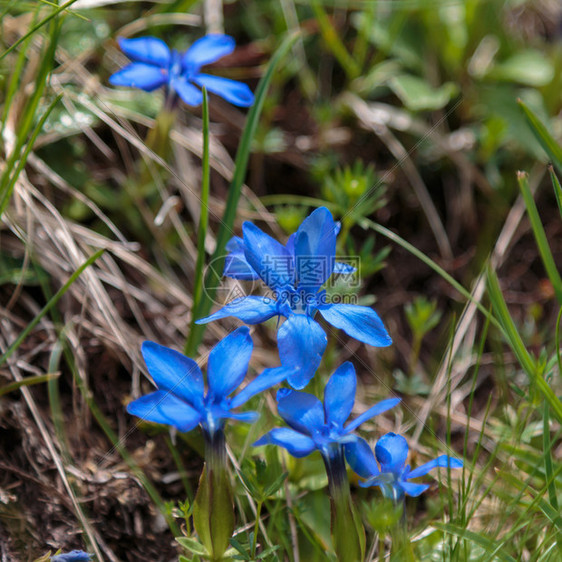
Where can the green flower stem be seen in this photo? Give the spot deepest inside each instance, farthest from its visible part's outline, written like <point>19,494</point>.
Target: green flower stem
<point>348,535</point>
<point>213,508</point>
<point>402,550</point>
<point>259,505</point>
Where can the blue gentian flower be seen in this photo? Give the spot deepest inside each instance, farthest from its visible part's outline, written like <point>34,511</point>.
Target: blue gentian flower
<point>181,401</point>
<point>73,556</point>
<point>317,426</point>
<point>296,272</point>
<point>155,65</point>
<point>391,452</point>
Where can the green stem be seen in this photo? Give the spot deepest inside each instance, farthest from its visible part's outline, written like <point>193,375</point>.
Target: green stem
<point>213,508</point>
<point>348,535</point>
<point>203,307</point>
<point>259,504</point>
<point>402,550</point>
<point>203,217</point>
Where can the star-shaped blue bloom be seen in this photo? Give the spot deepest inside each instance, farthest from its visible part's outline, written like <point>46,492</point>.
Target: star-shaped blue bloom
<point>181,401</point>
<point>73,556</point>
<point>296,272</point>
<point>155,65</point>
<point>391,452</point>
<point>317,426</point>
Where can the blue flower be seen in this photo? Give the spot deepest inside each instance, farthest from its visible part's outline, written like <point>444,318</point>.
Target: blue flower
<point>393,477</point>
<point>73,556</point>
<point>155,65</point>
<point>296,272</point>
<point>317,426</point>
<point>181,401</point>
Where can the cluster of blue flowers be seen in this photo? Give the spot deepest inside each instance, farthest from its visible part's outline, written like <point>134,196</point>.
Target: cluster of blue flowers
<point>296,273</point>
<point>181,402</point>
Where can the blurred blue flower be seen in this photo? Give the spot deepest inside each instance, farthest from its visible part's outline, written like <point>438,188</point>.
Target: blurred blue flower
<point>391,452</point>
<point>296,272</point>
<point>181,401</point>
<point>73,556</point>
<point>155,65</point>
<point>314,425</point>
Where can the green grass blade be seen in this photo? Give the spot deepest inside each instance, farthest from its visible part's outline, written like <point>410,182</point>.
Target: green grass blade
<point>548,459</point>
<point>203,218</point>
<point>38,26</point>
<point>557,188</point>
<point>57,296</point>
<point>549,145</point>
<point>203,307</point>
<point>7,181</point>
<point>28,381</point>
<point>14,80</point>
<point>516,344</point>
<point>540,235</point>
<point>334,43</point>
<point>430,263</point>
<point>487,544</point>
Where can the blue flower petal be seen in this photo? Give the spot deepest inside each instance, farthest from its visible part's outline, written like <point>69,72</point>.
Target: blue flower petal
<point>228,363</point>
<point>412,489</point>
<point>208,49</point>
<point>290,245</point>
<point>315,248</point>
<point>139,75</point>
<point>186,91</point>
<point>232,91</point>
<point>173,371</point>
<point>391,451</point>
<point>383,479</point>
<point>149,50</point>
<point>252,310</point>
<point>302,411</point>
<point>165,408</point>
<point>267,379</point>
<point>301,343</point>
<point>246,417</point>
<point>360,458</point>
<point>443,461</point>
<point>360,322</point>
<point>72,556</point>
<point>344,268</point>
<point>373,411</point>
<point>235,265</point>
<point>267,257</point>
<point>339,395</point>
<point>296,443</point>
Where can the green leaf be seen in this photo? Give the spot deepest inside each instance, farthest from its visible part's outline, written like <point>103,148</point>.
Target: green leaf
<point>204,213</point>
<point>192,545</point>
<point>417,95</point>
<point>487,544</point>
<point>540,236</point>
<point>275,486</point>
<point>240,548</point>
<point>530,67</point>
<point>56,297</point>
<point>557,188</point>
<point>516,343</point>
<point>27,381</point>
<point>546,140</point>
<point>213,511</point>
<point>203,306</point>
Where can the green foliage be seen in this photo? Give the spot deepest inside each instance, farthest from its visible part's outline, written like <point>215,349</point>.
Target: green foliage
<point>467,88</point>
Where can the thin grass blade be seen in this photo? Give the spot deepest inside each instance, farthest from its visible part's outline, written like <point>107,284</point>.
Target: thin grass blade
<point>540,235</point>
<point>203,307</point>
